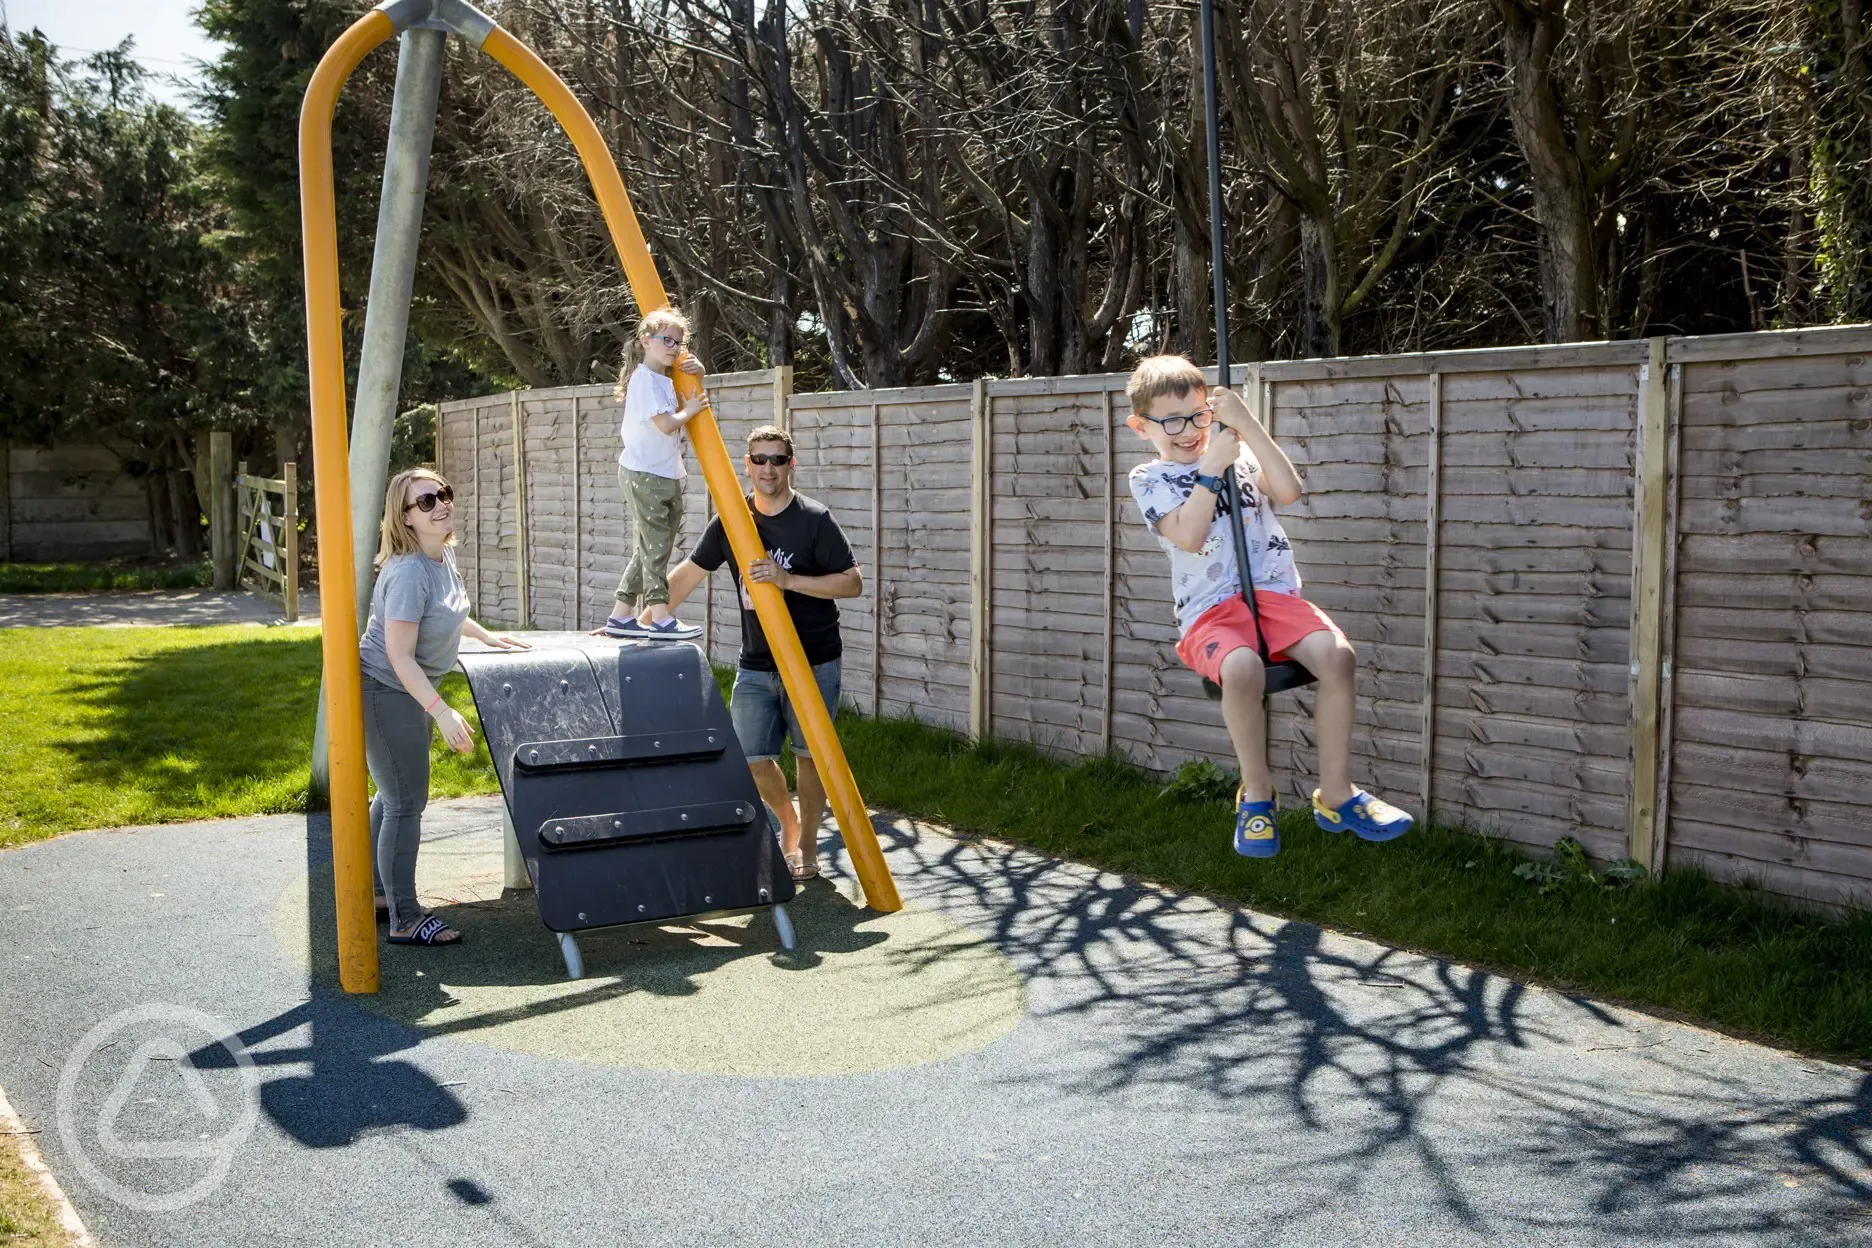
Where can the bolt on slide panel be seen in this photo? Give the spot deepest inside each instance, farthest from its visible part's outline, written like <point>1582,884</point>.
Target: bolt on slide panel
<point>351,853</point>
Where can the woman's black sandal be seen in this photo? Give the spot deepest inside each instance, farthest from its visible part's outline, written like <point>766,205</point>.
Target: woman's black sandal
<point>427,933</point>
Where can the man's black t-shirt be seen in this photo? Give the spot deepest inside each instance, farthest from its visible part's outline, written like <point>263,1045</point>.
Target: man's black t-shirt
<point>806,541</point>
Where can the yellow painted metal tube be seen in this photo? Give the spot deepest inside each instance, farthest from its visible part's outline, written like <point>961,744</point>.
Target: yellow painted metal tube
<point>350,814</point>
<point>718,470</point>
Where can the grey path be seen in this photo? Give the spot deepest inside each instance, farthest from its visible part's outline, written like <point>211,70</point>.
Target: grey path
<point>1183,1074</point>
<point>145,608</point>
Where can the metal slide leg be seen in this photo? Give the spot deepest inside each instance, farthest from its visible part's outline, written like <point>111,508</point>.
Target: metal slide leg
<point>513,866</point>
<point>784,922</point>
<point>568,948</point>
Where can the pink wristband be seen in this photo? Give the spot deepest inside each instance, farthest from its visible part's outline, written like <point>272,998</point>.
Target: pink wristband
<point>430,709</point>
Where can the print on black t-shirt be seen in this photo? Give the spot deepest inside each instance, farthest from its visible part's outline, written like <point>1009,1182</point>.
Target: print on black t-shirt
<point>806,541</point>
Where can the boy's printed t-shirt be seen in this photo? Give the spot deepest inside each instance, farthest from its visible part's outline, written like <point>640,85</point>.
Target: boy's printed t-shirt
<point>1203,579</point>
<point>647,448</point>
<point>805,540</point>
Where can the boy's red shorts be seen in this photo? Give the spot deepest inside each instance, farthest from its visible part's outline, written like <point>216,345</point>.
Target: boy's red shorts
<point>1285,619</point>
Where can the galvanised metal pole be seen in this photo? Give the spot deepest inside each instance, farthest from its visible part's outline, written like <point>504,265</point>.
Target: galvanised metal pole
<point>386,316</point>
<point>1211,123</point>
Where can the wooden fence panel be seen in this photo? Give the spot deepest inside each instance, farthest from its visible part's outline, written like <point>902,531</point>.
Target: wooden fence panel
<point>604,523</point>
<point>551,560</point>
<point>71,500</point>
<point>885,470</point>
<point>1528,748</point>
<point>1771,692</point>
<point>1361,448</point>
<point>1048,617</point>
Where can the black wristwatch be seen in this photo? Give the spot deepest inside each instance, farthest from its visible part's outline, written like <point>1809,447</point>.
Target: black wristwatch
<point>1215,485</point>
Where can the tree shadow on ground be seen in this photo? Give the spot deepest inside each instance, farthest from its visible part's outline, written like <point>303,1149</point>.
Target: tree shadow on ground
<point>1372,1057</point>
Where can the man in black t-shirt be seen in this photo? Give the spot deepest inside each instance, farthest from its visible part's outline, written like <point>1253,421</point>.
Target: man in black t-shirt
<point>809,559</point>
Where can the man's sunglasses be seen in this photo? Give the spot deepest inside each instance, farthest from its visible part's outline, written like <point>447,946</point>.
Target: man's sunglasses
<point>778,459</point>
<point>674,344</point>
<point>427,502</point>
<point>1202,418</point>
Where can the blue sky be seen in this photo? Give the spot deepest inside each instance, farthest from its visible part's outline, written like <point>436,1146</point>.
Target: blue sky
<point>167,39</point>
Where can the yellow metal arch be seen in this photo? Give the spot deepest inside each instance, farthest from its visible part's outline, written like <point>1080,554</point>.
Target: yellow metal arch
<point>351,856</point>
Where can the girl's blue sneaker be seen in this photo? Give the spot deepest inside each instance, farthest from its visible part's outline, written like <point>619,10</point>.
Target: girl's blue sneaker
<point>1364,815</point>
<point>1256,833</point>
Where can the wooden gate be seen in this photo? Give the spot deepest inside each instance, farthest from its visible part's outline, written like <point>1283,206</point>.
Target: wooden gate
<point>269,551</point>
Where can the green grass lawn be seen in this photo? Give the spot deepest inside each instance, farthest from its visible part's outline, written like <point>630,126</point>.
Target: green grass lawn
<point>27,1219</point>
<point>57,578</point>
<point>102,727</point>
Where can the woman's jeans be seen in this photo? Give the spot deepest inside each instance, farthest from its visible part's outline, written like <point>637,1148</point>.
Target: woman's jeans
<point>396,749</point>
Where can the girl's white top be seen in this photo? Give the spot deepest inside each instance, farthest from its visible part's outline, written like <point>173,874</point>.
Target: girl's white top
<point>646,447</point>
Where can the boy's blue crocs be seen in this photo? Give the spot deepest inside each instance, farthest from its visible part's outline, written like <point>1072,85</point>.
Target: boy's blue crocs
<point>1257,835</point>
<point>1363,814</point>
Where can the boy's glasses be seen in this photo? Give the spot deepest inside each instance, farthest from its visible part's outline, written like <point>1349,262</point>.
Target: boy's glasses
<point>1202,418</point>
<point>427,502</point>
<point>674,344</point>
<point>778,459</point>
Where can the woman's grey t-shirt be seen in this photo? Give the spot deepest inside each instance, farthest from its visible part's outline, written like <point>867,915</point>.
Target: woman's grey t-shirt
<point>416,589</point>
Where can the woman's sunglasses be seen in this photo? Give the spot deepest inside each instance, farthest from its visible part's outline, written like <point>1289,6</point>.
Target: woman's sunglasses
<point>1202,418</point>
<point>427,502</point>
<point>778,459</point>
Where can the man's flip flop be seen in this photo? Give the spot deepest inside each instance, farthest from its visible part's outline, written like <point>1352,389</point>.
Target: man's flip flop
<point>428,932</point>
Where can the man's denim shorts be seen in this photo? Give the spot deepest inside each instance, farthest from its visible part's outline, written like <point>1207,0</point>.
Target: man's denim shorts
<point>763,714</point>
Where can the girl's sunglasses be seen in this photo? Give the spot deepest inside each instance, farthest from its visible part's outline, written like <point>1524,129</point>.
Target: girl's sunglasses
<point>1202,417</point>
<point>427,502</point>
<point>778,459</point>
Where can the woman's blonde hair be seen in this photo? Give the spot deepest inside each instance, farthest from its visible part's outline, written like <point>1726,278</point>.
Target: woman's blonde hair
<point>660,321</point>
<point>398,537</point>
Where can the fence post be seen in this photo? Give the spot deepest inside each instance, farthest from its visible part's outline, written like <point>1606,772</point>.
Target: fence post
<point>1673,489</point>
<point>981,556</point>
<point>877,555</point>
<point>782,391</point>
<point>289,525</point>
<point>1649,507</point>
<point>1111,573</point>
<point>246,531</point>
<point>578,523</point>
<point>220,486</point>
<point>475,513</point>
<point>1432,597</point>
<point>520,511</point>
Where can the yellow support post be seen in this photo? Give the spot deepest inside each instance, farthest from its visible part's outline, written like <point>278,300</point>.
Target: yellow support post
<point>344,689</point>
<point>357,937</point>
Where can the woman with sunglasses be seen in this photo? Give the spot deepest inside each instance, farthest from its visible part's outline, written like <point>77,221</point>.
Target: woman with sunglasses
<point>419,611</point>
